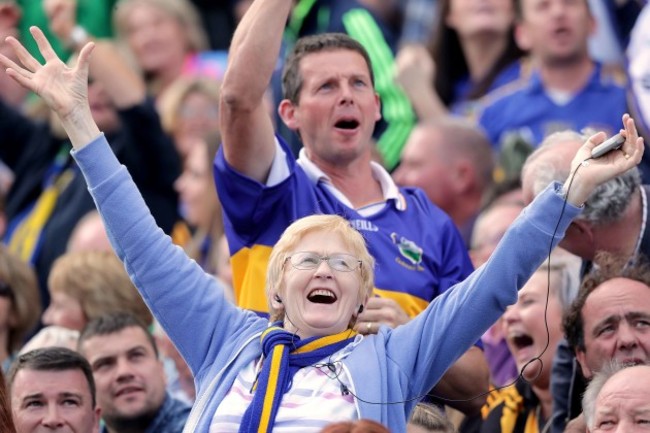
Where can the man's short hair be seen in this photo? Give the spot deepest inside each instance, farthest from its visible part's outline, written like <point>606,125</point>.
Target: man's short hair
<point>609,266</point>
<point>292,79</point>
<point>53,359</point>
<point>111,324</point>
<point>467,140</point>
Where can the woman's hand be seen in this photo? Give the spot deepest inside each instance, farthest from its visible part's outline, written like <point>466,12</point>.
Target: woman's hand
<point>380,311</point>
<point>64,89</point>
<point>593,172</point>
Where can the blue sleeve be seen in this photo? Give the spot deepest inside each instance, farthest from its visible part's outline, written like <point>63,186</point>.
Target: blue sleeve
<point>458,318</point>
<point>188,303</point>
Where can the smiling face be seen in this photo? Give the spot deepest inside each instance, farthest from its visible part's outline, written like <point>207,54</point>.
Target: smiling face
<point>320,301</point>
<point>525,329</point>
<point>53,401</point>
<point>616,325</point>
<point>337,107</point>
<point>129,376</point>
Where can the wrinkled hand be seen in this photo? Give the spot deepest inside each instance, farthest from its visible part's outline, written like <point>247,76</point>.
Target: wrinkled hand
<point>64,89</point>
<point>596,171</point>
<point>380,311</point>
<point>414,69</point>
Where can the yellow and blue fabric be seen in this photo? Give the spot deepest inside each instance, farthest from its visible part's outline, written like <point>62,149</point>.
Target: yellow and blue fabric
<point>514,409</point>
<point>284,354</point>
<point>25,231</point>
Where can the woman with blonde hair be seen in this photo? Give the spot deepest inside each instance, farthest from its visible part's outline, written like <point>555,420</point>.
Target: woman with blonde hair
<point>86,285</point>
<point>189,110</point>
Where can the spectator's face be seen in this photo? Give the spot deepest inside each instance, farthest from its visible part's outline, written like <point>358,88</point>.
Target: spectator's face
<point>489,229</point>
<point>320,301</point>
<point>65,311</point>
<point>156,38</point>
<point>338,107</point>
<point>623,404</point>
<point>129,377</point>
<point>473,18</point>
<point>102,108</point>
<point>53,401</point>
<point>196,188</point>
<point>555,31</point>
<point>427,165</point>
<point>525,329</point>
<point>198,117</point>
<point>616,319</point>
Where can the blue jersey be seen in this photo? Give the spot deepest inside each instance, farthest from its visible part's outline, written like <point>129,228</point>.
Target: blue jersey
<point>463,106</point>
<point>418,251</point>
<point>524,109</point>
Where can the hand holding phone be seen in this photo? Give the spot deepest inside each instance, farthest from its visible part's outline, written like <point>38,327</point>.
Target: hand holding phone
<point>612,143</point>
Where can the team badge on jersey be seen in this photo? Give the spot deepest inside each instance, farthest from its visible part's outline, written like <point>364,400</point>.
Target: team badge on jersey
<point>408,249</point>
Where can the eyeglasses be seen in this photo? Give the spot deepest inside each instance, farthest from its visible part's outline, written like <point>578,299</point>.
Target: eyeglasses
<point>306,260</point>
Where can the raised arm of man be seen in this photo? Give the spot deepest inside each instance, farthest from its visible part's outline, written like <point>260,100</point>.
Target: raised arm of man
<point>246,128</point>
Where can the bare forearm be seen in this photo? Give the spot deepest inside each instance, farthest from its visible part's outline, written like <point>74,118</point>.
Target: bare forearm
<point>80,127</point>
<point>427,104</point>
<point>469,377</point>
<point>254,52</point>
<point>246,127</point>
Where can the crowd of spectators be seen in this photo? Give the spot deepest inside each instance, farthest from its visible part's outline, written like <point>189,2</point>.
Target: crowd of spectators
<point>431,126</point>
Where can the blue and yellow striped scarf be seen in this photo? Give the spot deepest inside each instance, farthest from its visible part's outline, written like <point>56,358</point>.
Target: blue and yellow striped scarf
<point>25,231</point>
<point>284,354</point>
